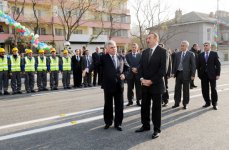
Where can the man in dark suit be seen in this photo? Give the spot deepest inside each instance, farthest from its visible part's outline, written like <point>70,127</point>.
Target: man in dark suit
<point>87,65</point>
<point>77,69</point>
<point>152,70</point>
<point>96,61</point>
<point>113,67</point>
<point>196,50</point>
<point>209,69</point>
<point>184,70</point>
<point>133,78</point>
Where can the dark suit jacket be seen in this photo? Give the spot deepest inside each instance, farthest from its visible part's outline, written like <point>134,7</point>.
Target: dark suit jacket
<point>84,63</point>
<point>212,68</point>
<point>189,65</point>
<point>133,62</point>
<point>111,76</point>
<point>76,65</point>
<point>155,69</point>
<point>96,59</point>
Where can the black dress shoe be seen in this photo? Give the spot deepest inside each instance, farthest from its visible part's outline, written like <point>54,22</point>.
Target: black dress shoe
<point>194,86</point>
<point>175,106</point>
<point>55,88</point>
<point>215,107</point>
<point>138,104</point>
<point>155,135</point>
<point>191,87</point>
<point>165,105</point>
<point>129,104</point>
<point>45,89</point>
<point>119,128</point>
<point>206,105</point>
<point>185,107</point>
<point>6,93</point>
<point>33,91</point>
<point>142,129</point>
<point>69,88</point>
<point>107,126</point>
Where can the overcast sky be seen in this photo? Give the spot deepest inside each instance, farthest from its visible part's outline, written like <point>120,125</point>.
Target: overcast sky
<point>205,6</point>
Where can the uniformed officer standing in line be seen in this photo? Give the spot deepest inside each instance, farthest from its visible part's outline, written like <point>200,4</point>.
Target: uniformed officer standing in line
<point>41,63</point>
<point>3,72</point>
<point>54,63</point>
<point>66,70</point>
<point>29,69</point>
<point>15,71</point>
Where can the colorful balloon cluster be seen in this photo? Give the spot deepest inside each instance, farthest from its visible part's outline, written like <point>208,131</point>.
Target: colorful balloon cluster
<point>23,31</point>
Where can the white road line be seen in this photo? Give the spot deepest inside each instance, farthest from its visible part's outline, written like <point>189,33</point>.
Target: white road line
<point>72,114</point>
<point>53,127</point>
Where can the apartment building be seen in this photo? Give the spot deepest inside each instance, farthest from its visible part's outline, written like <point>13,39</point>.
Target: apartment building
<point>91,33</point>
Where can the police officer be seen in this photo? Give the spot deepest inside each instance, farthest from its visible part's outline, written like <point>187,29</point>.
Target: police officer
<point>3,72</point>
<point>41,63</point>
<point>54,69</point>
<point>29,69</point>
<point>66,70</point>
<point>15,71</point>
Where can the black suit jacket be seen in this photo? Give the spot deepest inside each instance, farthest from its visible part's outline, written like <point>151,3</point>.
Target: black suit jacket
<point>96,59</point>
<point>111,76</point>
<point>155,69</point>
<point>212,67</point>
<point>76,65</point>
<point>133,63</point>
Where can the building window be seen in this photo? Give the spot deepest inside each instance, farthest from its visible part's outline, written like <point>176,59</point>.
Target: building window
<point>16,10</point>
<point>120,33</point>
<point>100,31</point>
<point>42,31</point>
<point>59,32</point>
<point>209,34</point>
<point>1,28</point>
<point>38,13</point>
<point>78,31</point>
<point>1,6</point>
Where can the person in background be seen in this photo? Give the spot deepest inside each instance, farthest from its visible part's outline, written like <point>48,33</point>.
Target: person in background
<point>41,65</point>
<point>77,69</point>
<point>87,69</point>
<point>66,70</point>
<point>4,72</point>
<point>96,62</point>
<point>15,71</point>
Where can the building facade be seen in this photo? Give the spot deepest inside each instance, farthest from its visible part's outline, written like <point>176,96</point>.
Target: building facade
<point>91,33</point>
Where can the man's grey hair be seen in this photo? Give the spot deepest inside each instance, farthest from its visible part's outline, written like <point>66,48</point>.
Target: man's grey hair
<point>208,42</point>
<point>110,42</point>
<point>185,42</point>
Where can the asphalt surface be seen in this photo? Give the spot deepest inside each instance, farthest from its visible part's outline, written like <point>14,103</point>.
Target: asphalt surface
<point>72,119</point>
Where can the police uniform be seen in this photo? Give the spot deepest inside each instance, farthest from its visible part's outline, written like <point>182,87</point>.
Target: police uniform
<point>15,71</point>
<point>66,70</point>
<point>41,63</point>
<point>29,64</point>
<point>3,72</point>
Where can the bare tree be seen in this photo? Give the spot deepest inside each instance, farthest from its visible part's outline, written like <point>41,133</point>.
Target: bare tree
<point>71,14</point>
<point>16,13</point>
<point>35,13</point>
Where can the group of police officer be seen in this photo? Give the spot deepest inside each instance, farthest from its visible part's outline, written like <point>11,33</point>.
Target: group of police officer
<point>14,66</point>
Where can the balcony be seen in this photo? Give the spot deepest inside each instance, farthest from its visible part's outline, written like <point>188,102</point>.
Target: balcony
<point>83,38</point>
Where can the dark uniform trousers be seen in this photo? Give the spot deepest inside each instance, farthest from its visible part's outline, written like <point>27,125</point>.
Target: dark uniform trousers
<point>16,81</point>
<point>54,78</point>
<point>66,78</point>
<point>29,81</point>
<point>135,81</point>
<point>178,87</point>
<point>4,80</point>
<point>165,96</point>
<point>41,80</point>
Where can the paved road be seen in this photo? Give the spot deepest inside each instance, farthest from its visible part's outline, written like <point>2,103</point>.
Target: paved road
<point>73,119</point>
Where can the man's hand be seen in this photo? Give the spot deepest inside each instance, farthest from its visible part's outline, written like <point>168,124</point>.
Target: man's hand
<point>193,77</point>
<point>122,77</point>
<point>217,77</point>
<point>146,82</point>
<point>134,70</point>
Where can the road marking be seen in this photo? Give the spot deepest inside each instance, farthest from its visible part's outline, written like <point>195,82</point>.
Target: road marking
<point>74,113</point>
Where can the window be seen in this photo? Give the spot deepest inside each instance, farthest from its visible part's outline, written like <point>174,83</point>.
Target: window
<point>209,34</point>
<point>78,31</point>
<point>59,32</point>
<point>16,10</point>
<point>121,33</point>
<point>38,13</point>
<point>100,31</point>
<point>1,6</point>
<point>42,31</point>
<point>1,28</point>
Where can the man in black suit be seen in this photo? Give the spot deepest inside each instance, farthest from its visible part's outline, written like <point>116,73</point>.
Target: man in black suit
<point>87,66</point>
<point>77,69</point>
<point>133,78</point>
<point>113,67</point>
<point>96,61</point>
<point>183,70</point>
<point>209,69</point>
<point>152,70</point>
<point>196,50</point>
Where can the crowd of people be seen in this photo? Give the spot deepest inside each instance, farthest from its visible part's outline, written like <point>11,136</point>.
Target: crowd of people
<point>148,71</point>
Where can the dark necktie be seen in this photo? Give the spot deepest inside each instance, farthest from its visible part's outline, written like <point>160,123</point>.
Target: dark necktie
<point>206,57</point>
<point>113,59</point>
<point>150,54</point>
